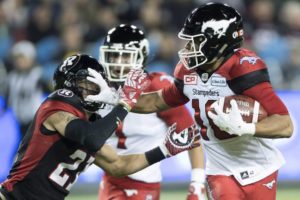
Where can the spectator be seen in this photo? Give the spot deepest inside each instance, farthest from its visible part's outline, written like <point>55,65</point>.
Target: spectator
<point>3,74</point>
<point>24,88</point>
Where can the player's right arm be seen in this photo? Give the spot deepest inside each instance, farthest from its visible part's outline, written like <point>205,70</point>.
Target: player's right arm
<point>168,97</point>
<point>151,102</point>
<point>92,135</point>
<point>58,121</point>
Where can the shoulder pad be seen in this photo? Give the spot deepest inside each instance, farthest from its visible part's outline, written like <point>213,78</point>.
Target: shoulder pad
<point>66,96</point>
<point>246,62</point>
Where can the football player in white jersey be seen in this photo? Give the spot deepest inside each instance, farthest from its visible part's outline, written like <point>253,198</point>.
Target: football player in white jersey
<point>125,47</point>
<point>241,163</point>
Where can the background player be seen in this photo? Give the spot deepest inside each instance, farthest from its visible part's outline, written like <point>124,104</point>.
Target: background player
<point>242,163</point>
<point>66,135</point>
<point>125,47</point>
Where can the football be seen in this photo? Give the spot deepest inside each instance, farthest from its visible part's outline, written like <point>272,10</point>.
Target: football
<point>251,110</point>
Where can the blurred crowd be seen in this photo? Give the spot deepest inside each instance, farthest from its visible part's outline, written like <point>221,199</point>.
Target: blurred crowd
<point>35,35</point>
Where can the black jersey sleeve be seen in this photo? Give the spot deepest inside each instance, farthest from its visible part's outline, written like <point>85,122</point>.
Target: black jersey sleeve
<point>249,80</point>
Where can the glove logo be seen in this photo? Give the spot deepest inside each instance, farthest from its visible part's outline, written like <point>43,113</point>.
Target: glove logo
<point>180,138</point>
<point>177,142</point>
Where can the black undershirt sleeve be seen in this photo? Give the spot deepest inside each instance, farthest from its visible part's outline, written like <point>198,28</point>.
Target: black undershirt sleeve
<point>93,135</point>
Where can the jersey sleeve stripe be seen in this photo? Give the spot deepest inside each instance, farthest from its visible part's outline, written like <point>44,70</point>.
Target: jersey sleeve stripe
<point>242,83</point>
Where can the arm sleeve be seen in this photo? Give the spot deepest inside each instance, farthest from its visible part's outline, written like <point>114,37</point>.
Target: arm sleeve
<point>179,115</point>
<point>93,135</point>
<point>173,95</point>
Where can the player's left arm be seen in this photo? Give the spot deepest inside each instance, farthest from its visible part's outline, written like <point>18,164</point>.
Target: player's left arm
<point>278,124</point>
<point>197,187</point>
<point>119,165</point>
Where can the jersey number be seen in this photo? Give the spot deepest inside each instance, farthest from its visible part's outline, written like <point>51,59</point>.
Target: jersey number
<point>121,137</point>
<point>221,135</point>
<point>60,175</point>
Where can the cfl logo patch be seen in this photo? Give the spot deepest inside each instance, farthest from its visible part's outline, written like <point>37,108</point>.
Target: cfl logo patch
<point>190,79</point>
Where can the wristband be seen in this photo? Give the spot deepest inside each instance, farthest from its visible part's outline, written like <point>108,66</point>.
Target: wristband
<point>198,175</point>
<point>250,128</point>
<point>154,155</point>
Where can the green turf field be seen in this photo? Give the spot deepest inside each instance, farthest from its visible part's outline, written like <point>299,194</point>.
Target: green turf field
<point>283,194</point>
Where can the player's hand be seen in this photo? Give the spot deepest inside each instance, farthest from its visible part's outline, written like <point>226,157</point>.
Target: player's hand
<point>196,191</point>
<point>232,122</point>
<point>107,95</point>
<point>178,142</point>
<point>136,82</point>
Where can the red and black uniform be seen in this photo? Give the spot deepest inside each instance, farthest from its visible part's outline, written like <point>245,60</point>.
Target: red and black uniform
<point>47,164</point>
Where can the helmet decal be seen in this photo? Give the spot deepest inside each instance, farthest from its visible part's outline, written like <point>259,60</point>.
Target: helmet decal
<point>67,62</point>
<point>219,26</point>
<point>211,31</point>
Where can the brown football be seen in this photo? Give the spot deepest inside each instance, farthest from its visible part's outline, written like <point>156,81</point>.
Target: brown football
<point>251,110</point>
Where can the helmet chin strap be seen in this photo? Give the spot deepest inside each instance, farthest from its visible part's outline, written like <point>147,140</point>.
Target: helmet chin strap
<point>217,61</point>
<point>213,66</point>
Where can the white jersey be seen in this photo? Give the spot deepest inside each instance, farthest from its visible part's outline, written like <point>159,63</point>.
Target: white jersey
<point>247,158</point>
<point>142,132</point>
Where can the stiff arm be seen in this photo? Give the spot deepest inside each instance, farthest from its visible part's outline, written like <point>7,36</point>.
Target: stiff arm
<point>150,102</point>
<point>119,165</point>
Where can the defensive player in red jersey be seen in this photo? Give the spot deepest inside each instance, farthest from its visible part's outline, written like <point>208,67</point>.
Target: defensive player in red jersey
<point>66,136</point>
<point>125,47</point>
<point>242,162</point>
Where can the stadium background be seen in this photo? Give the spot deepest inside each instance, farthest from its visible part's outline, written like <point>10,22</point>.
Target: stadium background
<point>60,28</point>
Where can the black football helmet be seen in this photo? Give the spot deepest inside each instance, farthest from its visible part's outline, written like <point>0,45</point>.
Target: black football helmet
<point>125,47</point>
<point>212,31</point>
<point>72,74</point>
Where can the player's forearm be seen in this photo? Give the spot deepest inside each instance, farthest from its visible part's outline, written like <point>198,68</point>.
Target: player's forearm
<point>128,164</point>
<point>196,157</point>
<point>93,135</point>
<point>275,126</point>
<point>150,102</point>
<point>123,165</point>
